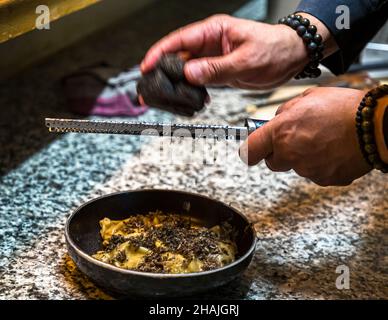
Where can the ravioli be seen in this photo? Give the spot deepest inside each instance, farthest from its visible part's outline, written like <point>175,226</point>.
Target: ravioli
<point>165,243</point>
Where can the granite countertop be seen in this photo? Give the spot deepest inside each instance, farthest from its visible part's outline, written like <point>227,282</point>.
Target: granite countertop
<point>305,232</point>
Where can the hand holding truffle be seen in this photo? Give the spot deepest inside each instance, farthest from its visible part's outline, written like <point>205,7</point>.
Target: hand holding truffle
<point>237,52</point>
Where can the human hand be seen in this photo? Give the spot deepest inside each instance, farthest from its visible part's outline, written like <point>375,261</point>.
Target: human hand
<point>237,52</point>
<point>315,135</point>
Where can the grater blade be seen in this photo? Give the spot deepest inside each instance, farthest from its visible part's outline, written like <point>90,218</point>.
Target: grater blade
<point>217,132</point>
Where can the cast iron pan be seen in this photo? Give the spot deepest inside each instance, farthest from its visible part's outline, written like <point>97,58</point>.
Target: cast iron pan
<point>83,240</point>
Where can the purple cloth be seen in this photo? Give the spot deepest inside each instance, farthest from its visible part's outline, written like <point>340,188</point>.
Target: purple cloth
<point>103,90</point>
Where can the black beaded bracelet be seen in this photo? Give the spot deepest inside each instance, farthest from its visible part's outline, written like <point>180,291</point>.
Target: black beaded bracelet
<point>365,127</point>
<point>313,41</point>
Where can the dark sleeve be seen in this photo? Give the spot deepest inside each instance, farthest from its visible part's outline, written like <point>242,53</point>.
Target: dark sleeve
<point>366,18</point>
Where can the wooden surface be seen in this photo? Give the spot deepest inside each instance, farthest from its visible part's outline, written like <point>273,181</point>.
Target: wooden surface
<point>19,16</point>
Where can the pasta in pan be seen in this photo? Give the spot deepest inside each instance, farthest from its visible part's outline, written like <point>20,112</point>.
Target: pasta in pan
<point>165,243</point>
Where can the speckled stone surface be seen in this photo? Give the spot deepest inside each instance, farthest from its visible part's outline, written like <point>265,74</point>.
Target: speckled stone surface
<point>305,232</point>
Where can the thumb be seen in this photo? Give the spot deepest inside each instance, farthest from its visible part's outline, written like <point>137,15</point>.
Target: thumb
<point>258,146</point>
<point>211,70</point>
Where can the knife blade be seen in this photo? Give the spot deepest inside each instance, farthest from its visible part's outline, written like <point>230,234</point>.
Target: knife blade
<point>219,132</point>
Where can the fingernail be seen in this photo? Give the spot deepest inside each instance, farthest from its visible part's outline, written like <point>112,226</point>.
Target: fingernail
<point>196,71</point>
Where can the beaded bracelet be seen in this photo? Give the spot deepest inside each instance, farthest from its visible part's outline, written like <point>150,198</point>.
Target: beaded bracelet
<point>313,41</point>
<point>365,127</point>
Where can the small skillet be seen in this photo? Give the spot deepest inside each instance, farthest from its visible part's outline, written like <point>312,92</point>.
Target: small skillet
<point>83,240</point>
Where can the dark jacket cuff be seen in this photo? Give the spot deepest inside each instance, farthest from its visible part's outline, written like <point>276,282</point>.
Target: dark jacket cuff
<point>366,18</point>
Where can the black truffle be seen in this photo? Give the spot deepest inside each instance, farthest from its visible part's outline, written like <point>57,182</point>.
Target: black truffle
<point>167,88</point>
<point>173,67</point>
<point>155,88</point>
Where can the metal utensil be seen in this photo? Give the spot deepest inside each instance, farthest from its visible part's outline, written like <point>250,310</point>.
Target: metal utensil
<point>218,132</point>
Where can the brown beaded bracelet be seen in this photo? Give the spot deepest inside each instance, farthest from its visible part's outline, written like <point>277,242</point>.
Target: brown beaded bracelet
<point>365,127</point>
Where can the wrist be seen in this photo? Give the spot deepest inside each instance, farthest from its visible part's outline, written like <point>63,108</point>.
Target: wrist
<point>313,41</point>
<point>298,58</point>
<point>327,39</point>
